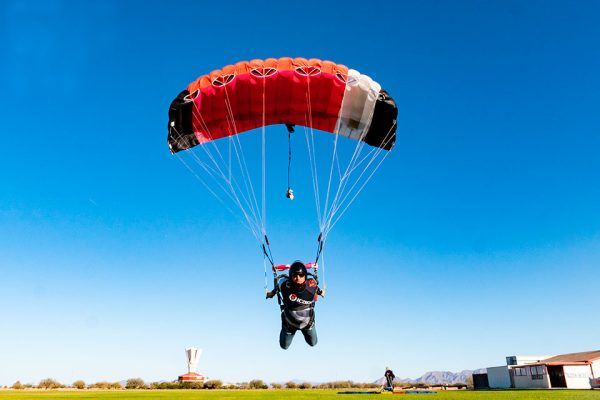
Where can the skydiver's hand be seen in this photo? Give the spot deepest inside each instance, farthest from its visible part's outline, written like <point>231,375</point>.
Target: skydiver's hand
<point>322,294</point>
<point>270,295</point>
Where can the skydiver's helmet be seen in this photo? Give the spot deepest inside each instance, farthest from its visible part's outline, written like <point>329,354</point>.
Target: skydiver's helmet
<point>297,268</point>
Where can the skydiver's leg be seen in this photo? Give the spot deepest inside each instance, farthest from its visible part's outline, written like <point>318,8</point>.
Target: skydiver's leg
<point>286,336</point>
<point>310,335</point>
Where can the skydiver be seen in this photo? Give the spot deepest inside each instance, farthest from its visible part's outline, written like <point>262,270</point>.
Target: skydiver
<point>298,295</point>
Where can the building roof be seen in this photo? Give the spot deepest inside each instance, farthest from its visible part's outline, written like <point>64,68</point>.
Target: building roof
<point>191,376</point>
<point>585,357</point>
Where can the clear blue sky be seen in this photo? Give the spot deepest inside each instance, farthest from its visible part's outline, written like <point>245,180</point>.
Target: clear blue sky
<point>478,238</point>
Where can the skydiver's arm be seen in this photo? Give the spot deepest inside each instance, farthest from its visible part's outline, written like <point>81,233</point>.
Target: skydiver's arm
<point>276,288</point>
<point>272,293</point>
<point>321,292</point>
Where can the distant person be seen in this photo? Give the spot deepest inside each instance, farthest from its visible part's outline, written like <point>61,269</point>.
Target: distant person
<point>389,378</point>
<point>297,294</point>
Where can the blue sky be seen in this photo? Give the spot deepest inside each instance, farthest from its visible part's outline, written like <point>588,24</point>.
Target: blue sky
<point>478,238</point>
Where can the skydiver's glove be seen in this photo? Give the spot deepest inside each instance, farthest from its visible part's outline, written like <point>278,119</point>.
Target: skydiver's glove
<point>271,294</point>
<point>322,293</point>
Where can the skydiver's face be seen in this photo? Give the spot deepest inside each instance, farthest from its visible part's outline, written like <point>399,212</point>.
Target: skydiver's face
<point>299,279</point>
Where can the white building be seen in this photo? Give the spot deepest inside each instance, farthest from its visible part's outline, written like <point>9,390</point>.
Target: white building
<point>502,377</point>
<point>573,371</point>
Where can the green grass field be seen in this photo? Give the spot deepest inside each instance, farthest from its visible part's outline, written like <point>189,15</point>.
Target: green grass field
<point>292,394</point>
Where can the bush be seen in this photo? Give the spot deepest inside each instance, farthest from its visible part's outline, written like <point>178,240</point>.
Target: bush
<point>135,383</point>
<point>305,385</point>
<point>276,385</point>
<point>469,382</point>
<point>101,385</point>
<point>213,384</point>
<point>342,384</point>
<point>291,385</point>
<point>257,384</point>
<point>49,383</point>
<point>18,385</point>
<point>173,385</point>
<point>187,385</point>
<point>371,385</point>
<point>79,384</point>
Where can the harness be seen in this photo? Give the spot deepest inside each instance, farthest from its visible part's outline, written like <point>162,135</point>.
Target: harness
<point>277,276</point>
<point>279,270</point>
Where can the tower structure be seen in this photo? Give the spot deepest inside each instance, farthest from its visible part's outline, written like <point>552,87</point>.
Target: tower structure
<point>193,357</point>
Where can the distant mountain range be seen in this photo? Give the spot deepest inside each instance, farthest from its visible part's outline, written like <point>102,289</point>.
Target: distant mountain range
<point>430,378</point>
<point>438,377</point>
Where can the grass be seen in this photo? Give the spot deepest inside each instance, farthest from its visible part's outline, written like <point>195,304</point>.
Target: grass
<point>292,394</point>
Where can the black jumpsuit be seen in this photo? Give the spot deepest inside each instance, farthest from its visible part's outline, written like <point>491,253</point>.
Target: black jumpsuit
<point>298,311</point>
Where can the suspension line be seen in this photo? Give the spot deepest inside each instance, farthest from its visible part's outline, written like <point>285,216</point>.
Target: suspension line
<point>290,192</point>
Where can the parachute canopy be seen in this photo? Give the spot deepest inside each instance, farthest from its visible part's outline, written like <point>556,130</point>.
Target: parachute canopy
<point>295,91</point>
<point>207,118</point>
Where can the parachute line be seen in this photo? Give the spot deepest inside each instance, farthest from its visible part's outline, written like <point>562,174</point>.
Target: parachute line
<point>312,152</point>
<point>333,159</point>
<point>234,191</point>
<point>308,133</point>
<point>331,225</point>
<point>207,169</point>
<point>242,162</point>
<point>341,187</point>
<point>264,164</point>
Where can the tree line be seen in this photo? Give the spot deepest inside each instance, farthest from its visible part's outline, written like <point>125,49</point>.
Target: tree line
<point>138,383</point>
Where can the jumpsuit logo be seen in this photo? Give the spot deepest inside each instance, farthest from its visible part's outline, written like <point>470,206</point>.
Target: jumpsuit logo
<point>295,298</point>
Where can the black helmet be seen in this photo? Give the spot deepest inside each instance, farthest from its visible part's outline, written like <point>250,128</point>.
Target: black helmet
<point>297,267</point>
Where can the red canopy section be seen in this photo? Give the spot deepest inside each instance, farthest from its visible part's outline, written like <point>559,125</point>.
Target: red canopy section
<point>251,94</point>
